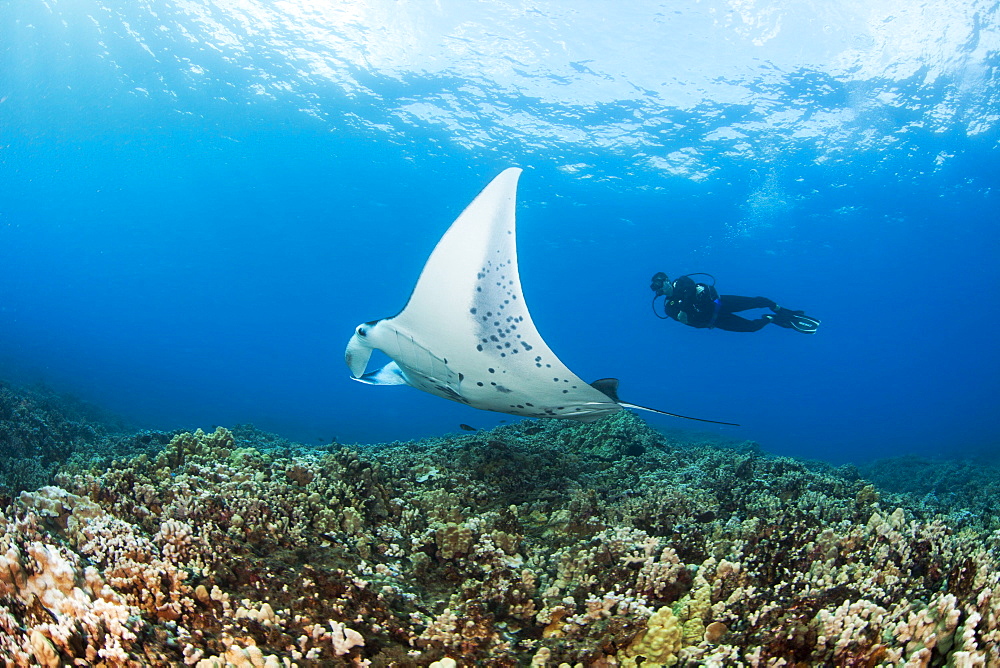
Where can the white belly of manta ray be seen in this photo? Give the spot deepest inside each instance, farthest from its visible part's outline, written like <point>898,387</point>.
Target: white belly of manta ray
<point>466,335</point>
<point>487,385</point>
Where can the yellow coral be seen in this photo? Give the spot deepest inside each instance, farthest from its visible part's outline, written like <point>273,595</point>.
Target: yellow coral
<point>658,645</point>
<point>692,608</point>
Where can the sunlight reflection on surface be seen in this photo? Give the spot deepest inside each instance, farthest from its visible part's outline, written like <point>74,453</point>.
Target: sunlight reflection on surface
<point>677,85</point>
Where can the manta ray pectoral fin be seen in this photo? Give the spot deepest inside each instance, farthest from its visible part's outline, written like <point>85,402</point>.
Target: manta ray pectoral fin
<point>609,387</point>
<point>390,374</point>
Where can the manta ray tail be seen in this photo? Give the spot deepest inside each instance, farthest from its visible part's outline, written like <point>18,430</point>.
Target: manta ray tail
<point>609,387</point>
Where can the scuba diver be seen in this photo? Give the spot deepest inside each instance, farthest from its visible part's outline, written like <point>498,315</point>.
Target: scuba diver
<point>701,305</point>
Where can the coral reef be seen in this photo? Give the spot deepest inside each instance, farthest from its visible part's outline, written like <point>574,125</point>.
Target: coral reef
<point>40,429</point>
<point>541,544</point>
<point>966,490</point>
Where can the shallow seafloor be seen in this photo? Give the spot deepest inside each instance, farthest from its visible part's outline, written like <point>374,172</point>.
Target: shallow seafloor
<point>532,544</point>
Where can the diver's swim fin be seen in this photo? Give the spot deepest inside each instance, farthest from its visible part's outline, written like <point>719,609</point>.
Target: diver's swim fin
<point>797,320</point>
<point>803,323</point>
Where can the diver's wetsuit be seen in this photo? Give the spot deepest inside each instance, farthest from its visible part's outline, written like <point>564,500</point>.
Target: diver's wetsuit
<point>701,305</point>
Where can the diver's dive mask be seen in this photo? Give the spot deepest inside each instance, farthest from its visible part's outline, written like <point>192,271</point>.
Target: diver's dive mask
<point>661,285</point>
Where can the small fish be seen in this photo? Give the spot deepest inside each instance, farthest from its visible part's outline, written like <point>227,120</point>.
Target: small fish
<point>466,427</point>
<point>531,431</point>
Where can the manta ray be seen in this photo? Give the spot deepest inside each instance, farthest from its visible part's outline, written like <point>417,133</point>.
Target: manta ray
<point>466,334</point>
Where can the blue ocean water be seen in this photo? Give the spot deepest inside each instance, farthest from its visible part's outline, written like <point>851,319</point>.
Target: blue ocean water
<point>199,201</point>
